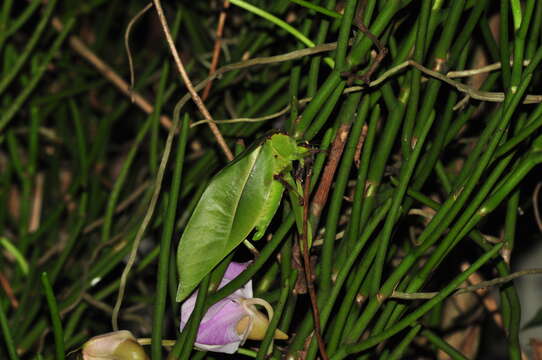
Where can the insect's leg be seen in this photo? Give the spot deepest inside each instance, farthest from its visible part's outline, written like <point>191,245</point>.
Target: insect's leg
<point>295,192</point>
<point>286,180</point>
<point>251,248</point>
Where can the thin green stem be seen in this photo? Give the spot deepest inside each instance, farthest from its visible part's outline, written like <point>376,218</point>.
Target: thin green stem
<point>121,179</point>
<point>30,45</point>
<point>345,271</point>
<point>404,179</point>
<point>6,331</point>
<point>265,254</point>
<point>320,9</point>
<point>443,345</point>
<point>398,352</point>
<point>344,33</point>
<point>314,68</point>
<point>367,152</point>
<point>16,104</point>
<point>420,311</point>
<point>55,316</point>
<point>416,75</point>
<point>286,288</point>
<point>279,22</point>
<point>340,184</point>
<point>504,43</point>
<point>192,326</point>
<point>165,244</point>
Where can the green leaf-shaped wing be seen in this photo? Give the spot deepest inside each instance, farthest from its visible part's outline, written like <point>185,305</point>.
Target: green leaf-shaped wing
<point>223,217</point>
<point>241,197</point>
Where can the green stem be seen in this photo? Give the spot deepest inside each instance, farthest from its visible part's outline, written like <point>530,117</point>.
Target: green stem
<point>16,104</point>
<point>344,34</point>
<point>337,196</point>
<point>345,271</point>
<point>165,245</point>
<point>265,254</point>
<point>55,316</point>
<point>443,345</point>
<point>366,154</point>
<point>398,352</point>
<point>30,45</point>
<point>416,75</point>
<point>192,326</point>
<point>404,179</point>
<point>286,288</point>
<point>321,10</point>
<point>6,331</point>
<point>420,311</point>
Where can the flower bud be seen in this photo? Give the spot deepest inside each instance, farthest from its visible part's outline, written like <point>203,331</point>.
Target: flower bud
<point>259,326</point>
<point>117,345</point>
<point>228,323</point>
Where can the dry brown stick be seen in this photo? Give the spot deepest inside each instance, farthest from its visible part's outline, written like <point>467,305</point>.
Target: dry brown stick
<point>217,47</point>
<point>79,46</point>
<point>4,282</point>
<point>127,44</point>
<point>37,203</point>
<point>484,284</point>
<point>359,146</point>
<point>188,82</point>
<point>382,50</point>
<point>320,198</point>
<point>308,267</point>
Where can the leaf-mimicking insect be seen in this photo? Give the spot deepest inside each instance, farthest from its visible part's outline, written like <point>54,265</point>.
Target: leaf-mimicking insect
<point>242,197</point>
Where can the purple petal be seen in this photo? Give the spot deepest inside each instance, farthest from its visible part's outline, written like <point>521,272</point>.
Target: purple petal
<point>218,326</point>
<point>217,331</point>
<point>234,269</point>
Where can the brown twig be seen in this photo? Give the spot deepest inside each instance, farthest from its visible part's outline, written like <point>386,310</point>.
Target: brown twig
<point>37,203</point>
<point>79,47</point>
<point>481,285</point>
<point>4,282</point>
<point>308,266</point>
<point>359,146</point>
<point>382,50</point>
<point>188,83</point>
<point>127,44</point>
<point>216,48</point>
<point>320,198</point>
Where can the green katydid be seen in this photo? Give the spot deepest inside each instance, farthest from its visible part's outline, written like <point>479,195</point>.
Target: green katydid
<point>242,197</point>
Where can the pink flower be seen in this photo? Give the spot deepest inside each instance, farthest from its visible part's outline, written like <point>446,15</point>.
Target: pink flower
<point>232,320</point>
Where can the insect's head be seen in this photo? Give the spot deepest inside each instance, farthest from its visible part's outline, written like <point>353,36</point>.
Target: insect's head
<point>286,147</point>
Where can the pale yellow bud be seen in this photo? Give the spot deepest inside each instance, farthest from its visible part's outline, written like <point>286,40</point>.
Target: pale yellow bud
<point>257,323</point>
<point>118,345</point>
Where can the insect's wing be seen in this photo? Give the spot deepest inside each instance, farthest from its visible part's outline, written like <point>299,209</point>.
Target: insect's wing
<point>271,205</point>
<point>222,219</point>
<point>254,197</point>
<point>244,195</point>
